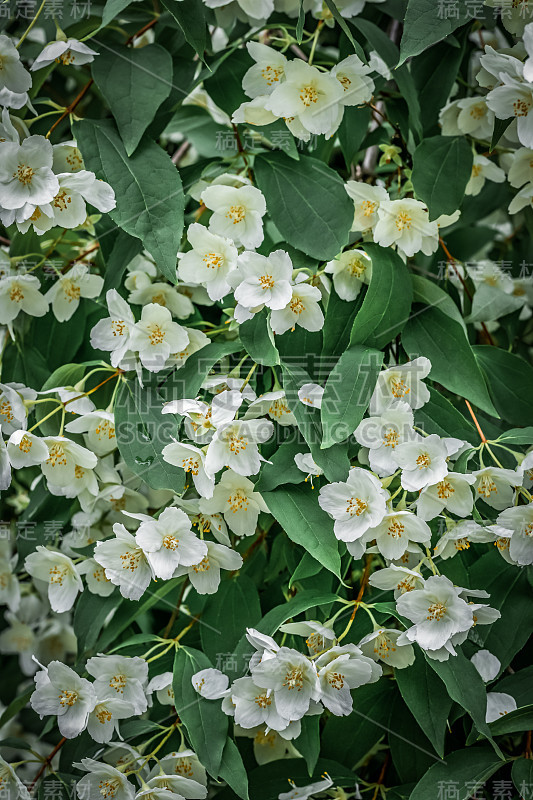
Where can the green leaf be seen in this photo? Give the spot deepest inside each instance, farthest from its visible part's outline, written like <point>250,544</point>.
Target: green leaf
<point>522,775</point>
<point>500,126</point>
<point>258,340</point>
<point>427,292</point>
<point>348,391</point>
<point>517,436</point>
<point>510,381</point>
<point>464,685</point>
<point>338,323</point>
<point>224,85</point>
<point>425,695</point>
<point>352,131</point>
<point>190,16</point>
<point>270,780</point>
<point>334,461</point>
<point>134,83</point>
<point>297,511</point>
<point>442,166</point>
<point>432,83</point>
<point>283,468</point>
<point>515,721</point>
<point>387,302</point>
<point>147,188</point>
<point>468,769</point>
<point>186,381</point>
<point>440,416</point>
<point>234,607</point>
<point>204,720</point>
<point>307,202</point>
<point>425,25</point>
<point>142,432</point>
<point>112,10</point>
<point>300,23</point>
<point>16,705</point>
<point>308,742</point>
<point>511,594</point>
<point>232,769</point>
<point>345,29</point>
<point>432,334</point>
<point>91,611</point>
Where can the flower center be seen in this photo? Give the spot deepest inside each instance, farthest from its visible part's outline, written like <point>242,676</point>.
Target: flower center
<point>57,574</point>
<point>266,281</point>
<point>403,220</point>
<point>436,611</point>
<point>271,74</point>
<point>238,501</point>
<point>16,294</point>
<point>25,444</point>
<point>368,207</point>
<point>296,305</point>
<point>57,456</point>
<point>24,174</point>
<point>262,700</point>
<point>236,214</point>
<point>294,679</point>
<point>391,438</point>
<point>521,107</point>
<point>335,680</point>
<point>445,490</point>
<point>118,682</point>
<point>203,566</point>
<point>213,260</point>
<point>61,200</point>
<point>356,506</point>
<point>395,529</point>
<point>131,559</point>
<point>423,461</point>
<point>170,542</point>
<point>157,336</point>
<point>308,95</point>
<point>67,697</point>
<point>399,387</point>
<point>237,443</point>
<point>487,486</point>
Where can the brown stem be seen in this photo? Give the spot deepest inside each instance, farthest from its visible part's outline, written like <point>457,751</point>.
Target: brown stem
<point>142,30</point>
<point>71,107</point>
<point>46,763</point>
<point>175,613</point>
<point>73,261</point>
<point>476,423</point>
<point>381,776</point>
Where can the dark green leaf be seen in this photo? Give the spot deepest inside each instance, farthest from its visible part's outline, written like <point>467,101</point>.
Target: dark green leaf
<point>510,381</point>
<point>442,166</point>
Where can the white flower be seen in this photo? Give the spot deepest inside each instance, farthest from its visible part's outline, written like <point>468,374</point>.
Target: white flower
<point>67,158</point>
<point>59,690</point>
<point>340,669</point>
<point>521,169</point>
<point>26,449</point>
<point>168,542</point>
<point>486,664</point>
<point>396,530</point>
<point>205,575</point>
<point>162,686</point>
<point>267,73</point>
<point>66,461</point>
<point>59,572</point>
<point>302,309</point>
<point>13,76</point>
<point>67,52</point>
<point>353,76</point>
<point>459,536</point>
<point>514,99</point>
<point>405,223</point>
<point>498,705</point>
<point>155,336</point>
<point>293,680</point>
<point>475,117</point>
<point>522,199</point>
<point>382,645</point>
<point>452,493</point>
<point>66,292</point>
<point>424,461</point>
<point>67,208</point>
<point>26,173</point>
<point>314,98</point>
<point>197,340</point>
<point>21,293</point>
<point>350,270</point>
<point>318,637</point>
<point>5,467</point>
<point>304,792</point>
<point>211,259</point>
<point>185,763</point>
<point>99,429</point>
<point>356,505</point>
<point>306,463</point>
<point>495,486</point>
<point>254,705</point>
<point>120,677</point>
<point>262,280</point>
<point>103,719</point>
<point>199,424</point>
<point>437,611</point>
<point>401,382</point>
<point>483,170</point>
<point>367,200</point>
<point>382,434</point>
<point>255,12</point>
<point>240,504</point>
<point>235,445</point>
<point>400,579</point>
<point>12,786</point>
<point>237,213</point>
<point>274,405</point>
<point>192,460</point>
<point>97,581</point>
<point>519,520</point>
<point>125,563</point>
<point>311,394</point>
<point>9,585</point>
<point>210,683</point>
<point>113,333</point>
<point>103,780</point>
